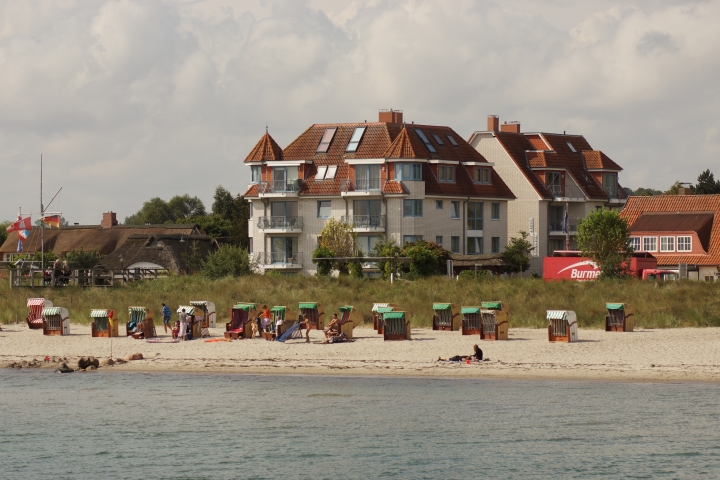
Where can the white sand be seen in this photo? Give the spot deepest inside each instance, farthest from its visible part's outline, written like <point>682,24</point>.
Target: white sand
<point>683,354</point>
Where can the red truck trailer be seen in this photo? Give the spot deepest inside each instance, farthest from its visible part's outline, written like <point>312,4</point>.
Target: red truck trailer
<point>569,265</point>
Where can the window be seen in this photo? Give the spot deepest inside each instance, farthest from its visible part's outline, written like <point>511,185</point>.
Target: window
<point>667,244</point>
<point>609,184</point>
<point>332,169</point>
<point>255,174</point>
<point>572,149</point>
<point>475,215</point>
<point>438,204</point>
<point>412,238</point>
<point>425,140</point>
<point>370,208</point>
<point>455,209</point>
<point>438,139</point>
<point>326,139</point>
<point>284,178</point>
<point>684,244</point>
<point>495,245</point>
<point>635,243</point>
<point>455,244</point>
<point>554,183</point>
<point>482,175</point>
<point>495,211</point>
<point>367,177</point>
<point>366,244</point>
<point>283,250</point>
<point>322,170</point>
<point>452,140</point>
<point>250,210</point>
<point>355,139</point>
<point>446,173</point>
<point>474,245</point>
<point>555,245</point>
<point>408,171</point>
<point>284,209</point>
<point>323,209</point>
<point>412,208</point>
<point>649,244</point>
<point>439,240</point>
<point>250,245</point>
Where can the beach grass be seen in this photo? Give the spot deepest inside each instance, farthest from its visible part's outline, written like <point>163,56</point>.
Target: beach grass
<point>657,305</point>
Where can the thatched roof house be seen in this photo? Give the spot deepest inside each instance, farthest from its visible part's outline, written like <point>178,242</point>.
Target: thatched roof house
<point>150,244</point>
<point>489,261</point>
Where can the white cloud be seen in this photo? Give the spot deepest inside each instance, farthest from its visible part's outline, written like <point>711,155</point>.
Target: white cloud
<point>131,99</point>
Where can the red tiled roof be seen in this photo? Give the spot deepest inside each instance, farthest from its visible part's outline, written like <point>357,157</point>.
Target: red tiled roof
<point>516,144</point>
<point>394,187</point>
<point>265,150</point>
<point>636,206</point>
<point>597,159</point>
<point>252,191</point>
<point>376,139</point>
<point>406,146</point>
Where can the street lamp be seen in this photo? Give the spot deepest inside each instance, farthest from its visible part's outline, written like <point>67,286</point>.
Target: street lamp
<point>182,240</point>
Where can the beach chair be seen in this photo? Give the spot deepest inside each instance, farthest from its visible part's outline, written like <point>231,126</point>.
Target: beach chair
<point>35,308</point>
<point>104,323</point>
<point>141,324</point>
<point>562,326</point>
<point>288,316</point>
<point>446,317</point>
<point>314,313</point>
<point>495,319</point>
<point>241,317</point>
<point>204,315</point>
<point>395,326</point>
<point>380,320</point>
<point>56,321</point>
<point>619,318</point>
<point>194,330</point>
<point>471,320</point>
<point>377,316</point>
<point>349,319</point>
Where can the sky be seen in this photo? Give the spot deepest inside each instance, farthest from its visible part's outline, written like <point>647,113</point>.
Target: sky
<point>133,99</point>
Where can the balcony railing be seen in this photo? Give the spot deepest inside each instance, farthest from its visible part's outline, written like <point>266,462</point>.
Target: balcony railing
<point>365,221</point>
<point>559,226</point>
<point>565,191</point>
<point>361,185</point>
<point>279,258</point>
<point>280,223</point>
<point>280,186</point>
<point>615,193</point>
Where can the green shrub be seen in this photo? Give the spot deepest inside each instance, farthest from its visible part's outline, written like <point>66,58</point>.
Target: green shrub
<point>473,275</point>
<point>228,261</point>
<point>81,258</point>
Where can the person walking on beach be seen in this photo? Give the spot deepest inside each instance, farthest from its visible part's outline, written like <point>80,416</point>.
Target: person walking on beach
<point>265,318</point>
<point>166,317</point>
<point>183,325</point>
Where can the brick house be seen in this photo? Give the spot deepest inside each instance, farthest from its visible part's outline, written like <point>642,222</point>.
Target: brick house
<point>549,173</point>
<point>386,178</point>
<point>678,229</point>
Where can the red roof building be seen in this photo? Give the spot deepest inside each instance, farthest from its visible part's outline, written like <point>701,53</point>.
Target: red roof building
<point>386,178</point>
<point>550,174</point>
<point>678,229</point>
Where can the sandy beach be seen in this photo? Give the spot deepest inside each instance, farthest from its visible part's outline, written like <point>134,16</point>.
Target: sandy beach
<point>683,354</point>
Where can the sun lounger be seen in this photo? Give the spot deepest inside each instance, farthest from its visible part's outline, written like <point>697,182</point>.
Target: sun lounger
<point>314,313</point>
<point>35,308</point>
<point>495,324</point>
<point>241,317</point>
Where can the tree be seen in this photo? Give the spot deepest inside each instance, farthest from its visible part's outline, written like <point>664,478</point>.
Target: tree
<point>605,237</point>
<point>673,190</point>
<point>338,237</point>
<point>324,266</point>
<point>235,212</point>
<point>427,258</point>
<point>185,206</point>
<point>155,211</point>
<point>516,254</point>
<point>387,248</point>
<point>81,258</point>
<point>645,192</point>
<point>228,261</point>
<point>706,184</point>
<point>3,230</point>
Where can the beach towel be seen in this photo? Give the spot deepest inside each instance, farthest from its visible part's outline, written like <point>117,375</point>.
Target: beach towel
<point>162,340</point>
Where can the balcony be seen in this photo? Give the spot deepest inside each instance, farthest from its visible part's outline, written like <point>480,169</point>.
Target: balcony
<point>280,224</point>
<point>280,188</point>
<point>279,260</point>
<point>616,194</point>
<point>566,192</point>
<point>361,186</point>
<point>366,223</point>
<point>558,227</point>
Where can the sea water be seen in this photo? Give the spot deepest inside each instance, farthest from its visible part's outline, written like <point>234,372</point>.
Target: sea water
<point>166,425</point>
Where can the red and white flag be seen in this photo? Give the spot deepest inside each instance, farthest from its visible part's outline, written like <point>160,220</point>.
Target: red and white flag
<point>20,224</point>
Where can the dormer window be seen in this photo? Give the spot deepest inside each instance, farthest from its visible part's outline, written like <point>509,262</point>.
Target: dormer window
<point>482,175</point>
<point>446,173</point>
<point>355,139</point>
<point>331,171</point>
<point>326,139</point>
<point>255,173</point>
<point>425,140</point>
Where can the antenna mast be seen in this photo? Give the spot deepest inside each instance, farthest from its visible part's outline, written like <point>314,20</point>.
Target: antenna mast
<point>42,227</point>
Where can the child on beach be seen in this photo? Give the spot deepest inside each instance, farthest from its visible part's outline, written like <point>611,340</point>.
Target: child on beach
<point>475,357</point>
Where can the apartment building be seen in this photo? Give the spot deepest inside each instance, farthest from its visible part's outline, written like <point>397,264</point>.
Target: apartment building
<point>549,173</point>
<point>401,181</point>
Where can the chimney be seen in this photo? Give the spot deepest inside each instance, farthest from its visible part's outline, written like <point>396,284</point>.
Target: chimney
<point>108,220</point>
<point>390,116</point>
<point>493,123</point>
<point>685,191</point>
<point>512,127</point>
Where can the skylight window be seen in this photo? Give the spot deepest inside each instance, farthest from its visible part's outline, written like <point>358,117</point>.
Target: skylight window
<point>425,140</point>
<point>452,140</point>
<point>571,147</point>
<point>355,139</point>
<point>326,139</point>
<point>321,172</point>
<point>331,171</point>
<point>438,139</point>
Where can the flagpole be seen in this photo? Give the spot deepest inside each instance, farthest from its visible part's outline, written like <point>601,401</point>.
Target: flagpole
<point>42,229</point>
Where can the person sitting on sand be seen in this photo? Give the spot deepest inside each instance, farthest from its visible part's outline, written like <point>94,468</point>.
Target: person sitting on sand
<point>475,357</point>
<point>342,338</point>
<point>176,329</point>
<point>333,327</point>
